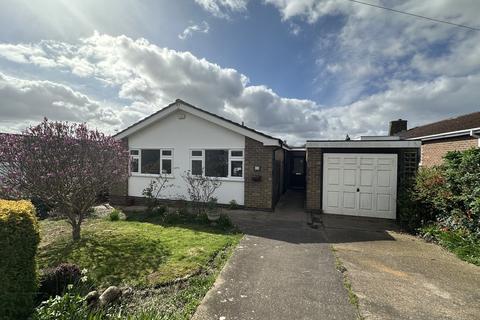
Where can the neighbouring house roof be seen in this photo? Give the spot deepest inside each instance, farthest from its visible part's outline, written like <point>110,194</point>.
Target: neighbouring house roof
<point>209,116</point>
<point>461,125</point>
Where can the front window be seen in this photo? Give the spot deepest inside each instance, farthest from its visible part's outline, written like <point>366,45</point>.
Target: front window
<point>134,161</point>
<point>150,161</point>
<point>220,163</point>
<point>216,163</point>
<point>236,163</point>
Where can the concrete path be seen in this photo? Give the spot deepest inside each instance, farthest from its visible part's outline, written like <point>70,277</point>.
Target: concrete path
<point>282,269</point>
<point>398,276</point>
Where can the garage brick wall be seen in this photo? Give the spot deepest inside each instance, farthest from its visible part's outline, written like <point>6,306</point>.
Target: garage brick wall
<point>433,151</point>
<point>314,180</point>
<point>258,194</point>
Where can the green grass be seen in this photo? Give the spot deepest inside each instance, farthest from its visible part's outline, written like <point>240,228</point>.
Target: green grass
<point>466,246</point>
<point>352,297</point>
<point>139,253</point>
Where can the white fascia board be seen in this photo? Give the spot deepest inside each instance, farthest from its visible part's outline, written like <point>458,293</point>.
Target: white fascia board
<point>364,144</point>
<point>446,134</point>
<point>223,123</point>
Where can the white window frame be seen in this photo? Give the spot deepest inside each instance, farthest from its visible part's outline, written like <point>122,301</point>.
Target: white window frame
<point>162,157</point>
<point>201,158</point>
<point>229,160</point>
<point>236,158</point>
<point>137,157</point>
<point>170,157</point>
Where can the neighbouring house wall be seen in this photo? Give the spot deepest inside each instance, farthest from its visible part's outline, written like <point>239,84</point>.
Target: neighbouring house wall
<point>433,151</point>
<point>314,179</point>
<point>258,194</point>
<point>183,135</point>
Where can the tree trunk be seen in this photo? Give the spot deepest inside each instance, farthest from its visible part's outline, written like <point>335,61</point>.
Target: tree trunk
<point>76,231</point>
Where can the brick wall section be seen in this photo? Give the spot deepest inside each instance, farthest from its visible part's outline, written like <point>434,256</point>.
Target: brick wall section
<point>433,151</point>
<point>119,193</point>
<point>258,194</point>
<point>314,179</point>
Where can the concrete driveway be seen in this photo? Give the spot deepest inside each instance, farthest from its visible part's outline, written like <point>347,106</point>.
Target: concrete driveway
<point>282,269</point>
<point>398,276</point>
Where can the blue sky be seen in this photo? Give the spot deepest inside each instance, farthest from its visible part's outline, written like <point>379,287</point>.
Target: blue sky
<point>297,69</point>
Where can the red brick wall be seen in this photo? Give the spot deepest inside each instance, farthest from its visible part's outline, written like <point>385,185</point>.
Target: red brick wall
<point>433,151</point>
<point>314,179</point>
<point>258,194</point>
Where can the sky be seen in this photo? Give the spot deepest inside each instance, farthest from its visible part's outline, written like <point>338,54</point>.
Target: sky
<point>295,69</point>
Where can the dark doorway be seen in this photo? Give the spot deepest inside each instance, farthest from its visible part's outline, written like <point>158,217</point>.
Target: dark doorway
<point>297,170</point>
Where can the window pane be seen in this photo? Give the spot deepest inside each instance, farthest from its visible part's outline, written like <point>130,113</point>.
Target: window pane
<point>151,161</point>
<point>196,153</point>
<point>134,152</point>
<point>197,167</point>
<point>134,165</point>
<point>237,153</point>
<point>166,166</point>
<point>298,165</point>
<point>237,170</point>
<point>166,152</point>
<point>216,163</point>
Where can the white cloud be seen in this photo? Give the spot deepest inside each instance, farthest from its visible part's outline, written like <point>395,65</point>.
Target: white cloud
<point>151,77</point>
<point>191,29</point>
<point>223,8</point>
<point>25,101</point>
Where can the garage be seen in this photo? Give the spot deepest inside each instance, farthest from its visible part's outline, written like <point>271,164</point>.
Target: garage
<point>360,184</point>
<point>359,177</point>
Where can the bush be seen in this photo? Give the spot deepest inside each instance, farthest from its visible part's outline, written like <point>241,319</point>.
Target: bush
<point>69,306</point>
<point>19,239</point>
<point>448,194</point>
<point>233,204</point>
<point>461,242</point>
<point>159,211</point>
<point>114,215</point>
<point>54,281</point>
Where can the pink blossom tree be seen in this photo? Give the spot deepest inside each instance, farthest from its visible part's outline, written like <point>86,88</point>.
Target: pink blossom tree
<point>66,165</point>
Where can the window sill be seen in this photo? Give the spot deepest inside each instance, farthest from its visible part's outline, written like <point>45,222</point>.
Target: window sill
<point>150,175</point>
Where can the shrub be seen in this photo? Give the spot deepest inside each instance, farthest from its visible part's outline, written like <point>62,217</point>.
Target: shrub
<point>448,194</point>
<point>69,306</point>
<point>200,190</point>
<point>114,215</point>
<point>19,238</point>
<point>153,192</point>
<point>233,204</point>
<point>159,211</point>
<point>54,281</point>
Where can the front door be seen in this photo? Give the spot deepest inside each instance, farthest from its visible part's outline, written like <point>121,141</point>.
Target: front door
<point>297,172</point>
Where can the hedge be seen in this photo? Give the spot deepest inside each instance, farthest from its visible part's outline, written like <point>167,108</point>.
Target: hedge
<point>19,239</point>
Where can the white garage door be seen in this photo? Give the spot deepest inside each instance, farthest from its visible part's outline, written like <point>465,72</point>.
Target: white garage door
<point>360,184</point>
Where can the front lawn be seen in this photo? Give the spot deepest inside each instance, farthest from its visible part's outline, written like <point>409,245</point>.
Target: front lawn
<point>145,254</point>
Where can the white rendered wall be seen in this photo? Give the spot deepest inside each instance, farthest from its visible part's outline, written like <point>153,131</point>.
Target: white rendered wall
<point>182,135</point>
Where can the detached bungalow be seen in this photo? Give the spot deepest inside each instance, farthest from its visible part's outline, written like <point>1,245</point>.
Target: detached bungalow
<point>182,137</point>
<point>339,177</point>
